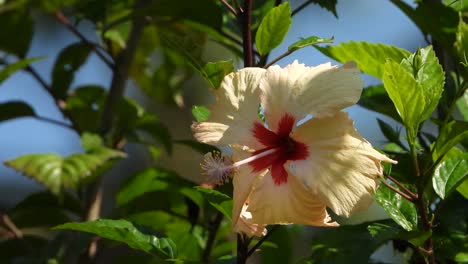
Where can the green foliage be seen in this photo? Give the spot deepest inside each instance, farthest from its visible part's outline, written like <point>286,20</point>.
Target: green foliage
<point>400,210</point>
<point>450,173</point>
<point>56,172</point>
<point>375,98</point>
<point>17,32</point>
<point>200,113</point>
<point>313,40</point>
<point>68,62</point>
<point>369,57</point>
<point>218,200</point>
<point>273,29</point>
<point>10,69</point>
<point>127,233</point>
<point>15,109</point>
<point>415,86</point>
<point>461,43</point>
<point>329,5</point>
<point>214,72</point>
<point>451,134</point>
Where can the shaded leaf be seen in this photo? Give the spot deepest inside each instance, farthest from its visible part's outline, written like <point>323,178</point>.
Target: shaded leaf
<point>449,174</point>
<point>127,233</point>
<point>10,69</point>
<point>15,109</point>
<point>344,243</point>
<point>195,145</point>
<point>441,25</point>
<point>390,133</point>
<point>399,209</point>
<point>158,131</point>
<point>70,59</point>
<point>281,246</point>
<point>375,98</point>
<point>462,105</point>
<point>313,40</point>
<point>17,32</point>
<point>200,113</point>
<point>370,57</point>
<point>214,72</point>
<point>273,28</point>
<point>451,134</point>
<point>461,43</point>
<point>329,5</point>
<point>85,107</point>
<point>56,172</point>
<point>218,200</point>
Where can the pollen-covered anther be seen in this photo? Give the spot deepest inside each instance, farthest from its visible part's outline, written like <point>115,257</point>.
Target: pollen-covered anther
<point>217,168</point>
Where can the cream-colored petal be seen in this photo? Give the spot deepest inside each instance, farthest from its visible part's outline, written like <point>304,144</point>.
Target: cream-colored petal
<point>288,203</point>
<point>243,182</point>
<point>245,225</point>
<point>342,166</point>
<point>300,90</point>
<point>235,111</point>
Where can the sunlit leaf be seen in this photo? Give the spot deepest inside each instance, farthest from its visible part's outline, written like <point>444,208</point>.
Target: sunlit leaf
<point>451,134</point>
<point>461,42</point>
<point>15,109</point>
<point>449,174</point>
<point>10,69</point>
<point>399,209</point>
<point>214,72</point>
<point>127,233</point>
<point>218,200</point>
<point>273,28</point>
<point>200,113</point>
<point>56,172</point>
<point>462,105</point>
<point>370,57</point>
<point>406,94</point>
<point>313,40</point>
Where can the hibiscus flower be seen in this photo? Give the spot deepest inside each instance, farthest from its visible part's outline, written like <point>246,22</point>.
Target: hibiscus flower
<point>304,156</point>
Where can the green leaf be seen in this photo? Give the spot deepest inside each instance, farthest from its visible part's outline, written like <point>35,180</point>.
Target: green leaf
<point>449,174</point>
<point>399,209</point>
<point>375,98</point>
<point>283,246</point>
<point>428,73</point>
<point>85,107</point>
<point>149,181</point>
<point>10,69</point>
<point>406,94</point>
<point>17,32</point>
<point>461,42</point>
<point>442,23</point>
<point>329,5</point>
<point>462,105</point>
<point>273,28</point>
<point>70,59</point>
<point>157,130</point>
<point>200,113</point>
<point>218,200</point>
<point>56,172</point>
<point>451,134</point>
<point>390,133</point>
<point>344,243</point>
<point>313,40</point>
<point>214,72</point>
<point>369,57</point>
<point>202,148</point>
<point>457,5</point>
<point>127,233</point>
<point>15,109</point>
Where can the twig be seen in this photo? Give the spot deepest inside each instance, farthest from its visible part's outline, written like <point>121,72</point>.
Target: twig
<point>63,20</point>
<point>260,242</point>
<point>402,186</point>
<point>246,22</point>
<point>229,7</point>
<point>53,121</point>
<point>278,58</point>
<point>404,195</point>
<point>212,229</point>
<point>11,226</point>
<point>299,8</point>
<point>242,248</point>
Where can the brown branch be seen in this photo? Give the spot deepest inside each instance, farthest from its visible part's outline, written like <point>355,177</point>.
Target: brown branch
<point>60,17</point>
<point>212,229</point>
<point>402,186</point>
<point>260,242</point>
<point>299,8</point>
<point>404,195</point>
<point>229,7</point>
<point>246,22</point>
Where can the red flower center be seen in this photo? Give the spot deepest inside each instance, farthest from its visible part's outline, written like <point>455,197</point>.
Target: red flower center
<point>286,148</point>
